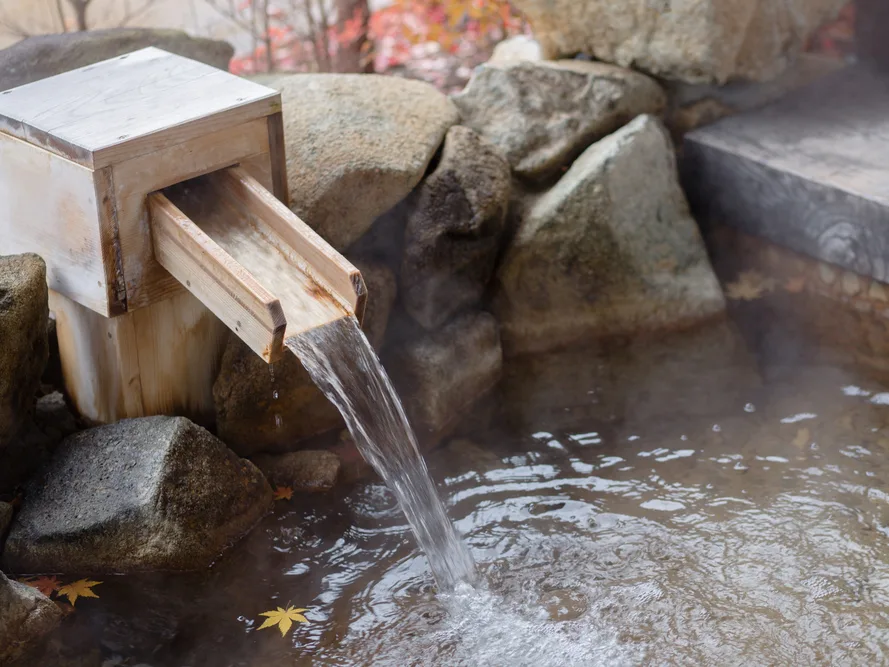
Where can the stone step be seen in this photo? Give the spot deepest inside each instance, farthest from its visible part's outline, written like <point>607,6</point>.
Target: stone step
<point>810,172</point>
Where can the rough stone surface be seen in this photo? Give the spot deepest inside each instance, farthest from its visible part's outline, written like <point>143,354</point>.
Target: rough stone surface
<point>37,58</point>
<point>699,41</point>
<point>441,375</point>
<point>262,408</point>
<point>382,290</point>
<point>305,470</point>
<point>610,250</point>
<point>516,48</point>
<point>543,115</point>
<point>24,349</point>
<point>454,229</point>
<point>140,494</point>
<point>691,106</point>
<point>356,145</point>
<point>26,617</point>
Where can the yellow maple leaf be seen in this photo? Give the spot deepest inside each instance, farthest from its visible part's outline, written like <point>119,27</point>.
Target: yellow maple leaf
<point>46,585</point>
<point>750,285</point>
<point>79,589</point>
<point>283,493</point>
<point>283,618</point>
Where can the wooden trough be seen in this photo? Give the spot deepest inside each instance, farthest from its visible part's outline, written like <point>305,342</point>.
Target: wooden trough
<point>155,189</point>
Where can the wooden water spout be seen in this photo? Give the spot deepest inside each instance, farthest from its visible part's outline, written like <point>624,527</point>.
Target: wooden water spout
<point>155,188</point>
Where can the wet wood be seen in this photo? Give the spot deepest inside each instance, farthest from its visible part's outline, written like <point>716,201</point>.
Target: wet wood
<point>810,173</point>
<point>162,359</point>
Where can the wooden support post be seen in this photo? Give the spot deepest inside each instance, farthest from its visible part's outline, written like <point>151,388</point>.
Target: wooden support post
<point>161,359</point>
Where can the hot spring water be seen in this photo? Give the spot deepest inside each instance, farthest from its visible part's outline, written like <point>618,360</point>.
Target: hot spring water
<point>342,363</point>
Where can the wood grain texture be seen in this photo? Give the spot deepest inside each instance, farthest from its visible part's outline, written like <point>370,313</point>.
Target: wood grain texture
<point>131,105</point>
<point>162,359</point>
<point>278,158</point>
<point>810,173</point>
<point>52,206</point>
<point>257,231</point>
<point>216,279</point>
<point>146,281</point>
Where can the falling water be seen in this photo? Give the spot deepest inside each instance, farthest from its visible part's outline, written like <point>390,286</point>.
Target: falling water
<point>342,363</point>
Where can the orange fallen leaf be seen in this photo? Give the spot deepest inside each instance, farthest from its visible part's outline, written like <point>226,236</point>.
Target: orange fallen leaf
<point>82,588</point>
<point>283,618</point>
<point>46,585</point>
<point>802,438</point>
<point>750,285</point>
<point>283,493</point>
<point>795,285</point>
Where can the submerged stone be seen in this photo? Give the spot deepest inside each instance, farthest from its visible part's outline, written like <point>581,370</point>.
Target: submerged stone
<point>141,494</point>
<point>698,41</point>
<point>305,470</point>
<point>356,145</point>
<point>24,350</point>
<point>26,617</point>
<point>542,115</point>
<point>610,250</point>
<point>454,227</point>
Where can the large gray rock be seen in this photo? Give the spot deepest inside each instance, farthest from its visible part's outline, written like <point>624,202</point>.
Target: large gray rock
<point>356,145</point>
<point>542,115</point>
<point>454,228</point>
<point>141,494</point>
<point>382,290</point>
<point>24,349</point>
<point>37,58</point>
<point>516,48</point>
<point>26,617</point>
<point>441,375</point>
<point>304,470</point>
<point>610,250</point>
<point>698,41</point>
<point>262,408</point>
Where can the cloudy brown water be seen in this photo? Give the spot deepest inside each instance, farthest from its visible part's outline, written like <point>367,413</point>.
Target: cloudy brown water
<point>689,502</point>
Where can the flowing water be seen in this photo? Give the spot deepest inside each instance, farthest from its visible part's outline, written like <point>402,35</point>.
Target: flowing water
<point>342,363</point>
<point>703,500</point>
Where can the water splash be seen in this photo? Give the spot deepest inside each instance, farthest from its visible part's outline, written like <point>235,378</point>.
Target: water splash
<point>342,363</point>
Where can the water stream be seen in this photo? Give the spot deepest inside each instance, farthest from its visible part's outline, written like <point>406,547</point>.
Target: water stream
<point>342,363</point>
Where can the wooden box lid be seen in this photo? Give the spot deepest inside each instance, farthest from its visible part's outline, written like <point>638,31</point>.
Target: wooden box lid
<point>131,105</point>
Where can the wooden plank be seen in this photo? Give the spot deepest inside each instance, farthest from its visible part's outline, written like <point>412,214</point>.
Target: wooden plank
<point>51,206</point>
<point>99,358</point>
<point>810,173</point>
<point>260,249</point>
<point>309,251</point>
<point>146,281</point>
<point>216,279</point>
<point>130,106</point>
<point>280,186</point>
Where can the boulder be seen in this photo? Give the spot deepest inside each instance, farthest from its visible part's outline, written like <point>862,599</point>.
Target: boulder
<point>356,145</point>
<point>382,289</point>
<point>699,41</point>
<point>454,229</point>
<point>610,250</point>
<point>516,48</point>
<point>304,470</point>
<point>440,375</point>
<point>263,408</point>
<point>26,617</point>
<point>542,115</point>
<point>24,350</point>
<point>40,57</point>
<point>141,494</point>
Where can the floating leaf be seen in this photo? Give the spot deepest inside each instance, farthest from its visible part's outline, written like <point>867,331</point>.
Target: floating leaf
<point>79,589</point>
<point>802,438</point>
<point>795,285</point>
<point>46,585</point>
<point>283,618</point>
<point>283,493</point>
<point>750,285</point>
